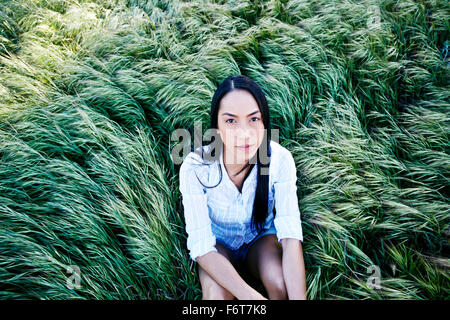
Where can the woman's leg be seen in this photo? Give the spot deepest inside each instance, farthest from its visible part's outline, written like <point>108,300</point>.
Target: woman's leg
<point>211,290</point>
<point>264,262</point>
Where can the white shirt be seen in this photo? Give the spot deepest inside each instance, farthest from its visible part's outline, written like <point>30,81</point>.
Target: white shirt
<point>225,213</point>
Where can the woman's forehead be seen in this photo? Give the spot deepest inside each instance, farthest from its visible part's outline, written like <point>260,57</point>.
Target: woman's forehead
<point>239,103</point>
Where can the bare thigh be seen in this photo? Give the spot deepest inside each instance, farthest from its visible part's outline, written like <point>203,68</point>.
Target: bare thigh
<point>211,290</point>
<point>265,254</point>
<point>264,262</point>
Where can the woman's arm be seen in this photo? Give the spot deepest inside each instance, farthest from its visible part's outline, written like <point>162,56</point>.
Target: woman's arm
<point>293,269</point>
<point>221,270</point>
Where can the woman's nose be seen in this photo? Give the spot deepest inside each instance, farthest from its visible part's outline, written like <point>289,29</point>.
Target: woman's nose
<point>244,132</point>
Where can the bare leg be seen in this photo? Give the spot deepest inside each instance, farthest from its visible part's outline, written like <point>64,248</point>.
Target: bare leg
<point>264,262</point>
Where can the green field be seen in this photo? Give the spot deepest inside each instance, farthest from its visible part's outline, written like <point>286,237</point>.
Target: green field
<point>91,90</point>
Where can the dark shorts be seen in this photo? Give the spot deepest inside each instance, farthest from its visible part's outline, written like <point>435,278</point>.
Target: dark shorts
<point>240,253</point>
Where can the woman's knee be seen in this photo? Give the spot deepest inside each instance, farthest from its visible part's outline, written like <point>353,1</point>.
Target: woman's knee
<point>275,287</point>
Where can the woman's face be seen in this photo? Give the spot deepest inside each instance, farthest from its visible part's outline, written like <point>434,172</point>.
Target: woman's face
<point>239,124</point>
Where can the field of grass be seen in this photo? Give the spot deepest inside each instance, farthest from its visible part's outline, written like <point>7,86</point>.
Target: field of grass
<point>91,90</point>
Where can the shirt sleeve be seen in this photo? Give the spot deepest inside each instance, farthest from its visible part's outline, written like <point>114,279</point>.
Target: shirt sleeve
<point>287,219</point>
<point>200,238</point>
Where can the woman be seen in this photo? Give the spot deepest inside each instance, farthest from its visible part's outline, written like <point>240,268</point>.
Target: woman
<point>231,221</point>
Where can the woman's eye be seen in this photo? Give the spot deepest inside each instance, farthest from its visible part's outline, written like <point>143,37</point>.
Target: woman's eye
<point>254,119</point>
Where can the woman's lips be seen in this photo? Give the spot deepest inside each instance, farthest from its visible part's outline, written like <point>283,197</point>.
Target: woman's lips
<point>245,147</point>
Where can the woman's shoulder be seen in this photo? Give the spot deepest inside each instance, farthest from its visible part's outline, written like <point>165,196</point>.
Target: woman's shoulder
<point>278,152</point>
<point>282,161</point>
<point>196,159</point>
<point>193,169</point>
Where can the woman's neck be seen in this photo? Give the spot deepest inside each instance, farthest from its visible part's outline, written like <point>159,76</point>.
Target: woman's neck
<point>234,168</point>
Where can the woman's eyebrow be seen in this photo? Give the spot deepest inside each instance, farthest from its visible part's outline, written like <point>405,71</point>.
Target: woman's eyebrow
<point>233,115</point>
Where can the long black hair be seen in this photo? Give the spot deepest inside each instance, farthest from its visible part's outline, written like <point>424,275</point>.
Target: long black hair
<point>261,202</point>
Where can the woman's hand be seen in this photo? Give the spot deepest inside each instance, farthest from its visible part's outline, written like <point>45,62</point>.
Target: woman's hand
<point>256,296</point>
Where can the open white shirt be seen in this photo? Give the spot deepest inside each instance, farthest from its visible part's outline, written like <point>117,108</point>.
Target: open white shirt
<point>224,213</point>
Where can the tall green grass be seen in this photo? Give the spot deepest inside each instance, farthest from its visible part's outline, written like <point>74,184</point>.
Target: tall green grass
<point>90,92</point>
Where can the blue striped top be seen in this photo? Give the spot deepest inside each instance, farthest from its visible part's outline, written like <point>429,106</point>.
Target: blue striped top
<point>224,213</point>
